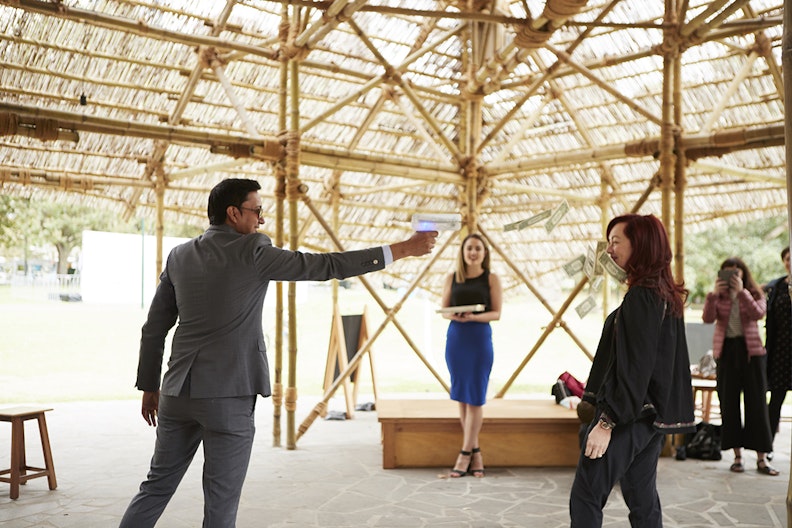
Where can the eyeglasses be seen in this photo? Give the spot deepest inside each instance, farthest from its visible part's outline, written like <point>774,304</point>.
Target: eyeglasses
<point>258,210</point>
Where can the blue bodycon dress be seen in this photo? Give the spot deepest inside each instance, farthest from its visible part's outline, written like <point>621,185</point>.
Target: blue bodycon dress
<point>469,345</point>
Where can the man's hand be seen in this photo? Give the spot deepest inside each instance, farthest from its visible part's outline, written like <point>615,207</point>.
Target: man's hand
<point>150,407</point>
<point>598,441</point>
<point>417,245</point>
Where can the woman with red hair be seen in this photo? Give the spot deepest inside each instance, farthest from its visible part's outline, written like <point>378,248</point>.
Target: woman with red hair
<point>639,380</point>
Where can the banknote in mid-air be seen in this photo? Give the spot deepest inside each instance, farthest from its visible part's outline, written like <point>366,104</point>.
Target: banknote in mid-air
<point>611,267</point>
<point>522,224</point>
<point>575,265</point>
<point>558,214</point>
<point>586,306</point>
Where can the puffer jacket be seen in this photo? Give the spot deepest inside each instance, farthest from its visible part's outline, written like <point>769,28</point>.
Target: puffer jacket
<point>716,310</point>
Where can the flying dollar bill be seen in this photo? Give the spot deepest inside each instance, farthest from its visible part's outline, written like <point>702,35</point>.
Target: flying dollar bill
<point>596,284</point>
<point>522,224</point>
<point>586,306</point>
<point>588,265</point>
<point>575,265</point>
<point>558,214</point>
<point>599,249</point>
<point>612,268</point>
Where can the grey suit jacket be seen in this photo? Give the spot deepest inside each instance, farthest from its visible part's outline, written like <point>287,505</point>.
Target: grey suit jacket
<point>215,286</point>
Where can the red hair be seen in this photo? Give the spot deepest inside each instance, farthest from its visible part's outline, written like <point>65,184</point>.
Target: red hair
<point>650,263</point>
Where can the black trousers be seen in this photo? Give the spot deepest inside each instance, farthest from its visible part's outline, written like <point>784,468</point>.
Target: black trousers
<point>743,377</point>
<point>631,460</point>
<point>777,397</point>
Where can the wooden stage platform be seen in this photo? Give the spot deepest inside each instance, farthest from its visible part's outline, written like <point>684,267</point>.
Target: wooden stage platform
<point>516,433</point>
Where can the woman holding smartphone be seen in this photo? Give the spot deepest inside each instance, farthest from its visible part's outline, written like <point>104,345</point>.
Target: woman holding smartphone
<point>735,306</point>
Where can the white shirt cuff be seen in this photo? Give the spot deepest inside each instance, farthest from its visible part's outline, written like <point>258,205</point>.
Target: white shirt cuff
<point>388,255</point>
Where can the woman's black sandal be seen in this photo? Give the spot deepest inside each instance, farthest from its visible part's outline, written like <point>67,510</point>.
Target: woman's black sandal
<point>478,473</point>
<point>737,467</point>
<point>765,469</point>
<point>456,473</point>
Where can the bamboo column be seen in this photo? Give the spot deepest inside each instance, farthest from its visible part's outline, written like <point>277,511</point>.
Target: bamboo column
<point>292,193</point>
<point>280,195</point>
<point>680,176</point>
<point>786,65</point>
<point>159,189</point>
<point>667,158</point>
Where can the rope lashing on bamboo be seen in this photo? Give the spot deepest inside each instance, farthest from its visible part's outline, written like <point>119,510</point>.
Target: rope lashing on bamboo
<point>280,179</point>
<point>563,9</point>
<point>277,395</point>
<point>763,45</point>
<point>46,129</point>
<point>209,58</point>
<point>9,124</point>
<point>290,403</point>
<point>642,148</point>
<point>320,409</point>
<point>530,38</point>
<point>240,150</point>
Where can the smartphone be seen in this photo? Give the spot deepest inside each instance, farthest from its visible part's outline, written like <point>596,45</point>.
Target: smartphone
<point>726,274</point>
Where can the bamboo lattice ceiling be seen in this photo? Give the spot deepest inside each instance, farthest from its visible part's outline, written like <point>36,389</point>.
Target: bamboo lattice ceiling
<point>496,109</point>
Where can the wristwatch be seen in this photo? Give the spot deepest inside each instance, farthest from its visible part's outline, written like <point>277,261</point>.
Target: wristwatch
<point>605,425</point>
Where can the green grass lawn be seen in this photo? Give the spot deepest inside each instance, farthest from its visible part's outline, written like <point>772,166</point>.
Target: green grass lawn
<point>58,351</point>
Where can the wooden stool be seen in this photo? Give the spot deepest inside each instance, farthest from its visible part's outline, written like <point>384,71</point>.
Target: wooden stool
<point>19,468</point>
<point>706,386</point>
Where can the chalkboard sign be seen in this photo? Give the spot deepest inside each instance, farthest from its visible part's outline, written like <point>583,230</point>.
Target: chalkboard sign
<point>351,325</point>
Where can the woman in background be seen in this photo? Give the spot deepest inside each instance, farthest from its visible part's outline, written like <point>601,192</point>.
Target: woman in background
<point>778,343</point>
<point>735,306</point>
<point>469,352</point>
<point>640,380</point>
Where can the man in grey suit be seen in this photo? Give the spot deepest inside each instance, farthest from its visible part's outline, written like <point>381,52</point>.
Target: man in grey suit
<point>215,286</point>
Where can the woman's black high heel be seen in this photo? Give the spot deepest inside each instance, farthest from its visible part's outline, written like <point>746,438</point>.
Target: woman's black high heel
<point>456,473</point>
<point>478,473</point>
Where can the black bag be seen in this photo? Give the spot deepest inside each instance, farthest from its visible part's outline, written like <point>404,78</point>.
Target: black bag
<point>704,444</point>
<point>560,391</point>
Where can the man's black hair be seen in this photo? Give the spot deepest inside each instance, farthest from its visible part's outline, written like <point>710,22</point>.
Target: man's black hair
<point>233,191</point>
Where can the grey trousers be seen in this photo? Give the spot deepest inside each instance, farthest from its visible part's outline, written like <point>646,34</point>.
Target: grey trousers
<point>226,426</point>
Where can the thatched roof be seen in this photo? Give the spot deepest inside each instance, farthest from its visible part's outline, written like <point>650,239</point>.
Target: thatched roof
<point>402,106</point>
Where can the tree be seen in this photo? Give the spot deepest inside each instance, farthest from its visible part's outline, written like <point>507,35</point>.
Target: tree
<point>62,226</point>
<point>758,243</point>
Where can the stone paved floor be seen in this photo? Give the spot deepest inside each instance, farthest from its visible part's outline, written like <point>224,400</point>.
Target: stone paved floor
<point>334,479</point>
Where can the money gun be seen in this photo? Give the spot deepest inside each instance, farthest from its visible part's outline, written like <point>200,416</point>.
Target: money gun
<point>436,222</point>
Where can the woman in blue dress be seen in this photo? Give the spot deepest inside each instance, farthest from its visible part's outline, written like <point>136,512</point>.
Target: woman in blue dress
<point>469,345</point>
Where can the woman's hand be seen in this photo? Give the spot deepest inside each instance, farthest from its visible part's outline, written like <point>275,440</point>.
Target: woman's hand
<point>464,317</point>
<point>598,441</point>
<point>735,284</point>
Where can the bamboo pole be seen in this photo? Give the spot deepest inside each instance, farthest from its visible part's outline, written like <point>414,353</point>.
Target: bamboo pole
<point>738,172</point>
<point>389,312</point>
<point>701,18</point>
<point>731,89</point>
<point>365,348</point>
<point>548,329</point>
<point>135,26</point>
<point>292,180</point>
<point>160,225</point>
<point>269,149</point>
<point>680,179</point>
<point>667,131</point>
<point>280,196</point>
<point>329,15</point>
<point>237,104</point>
<point>534,291</point>
<point>587,73</point>
<point>786,67</point>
